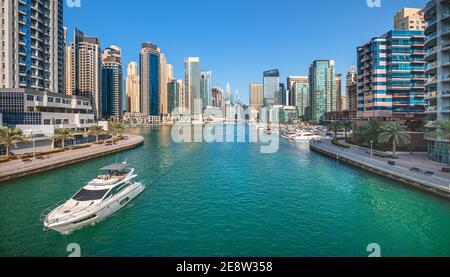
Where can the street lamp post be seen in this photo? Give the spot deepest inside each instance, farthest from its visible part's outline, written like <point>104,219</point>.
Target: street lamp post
<point>371,148</point>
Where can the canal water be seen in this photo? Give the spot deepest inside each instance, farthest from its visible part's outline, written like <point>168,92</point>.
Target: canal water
<point>228,199</point>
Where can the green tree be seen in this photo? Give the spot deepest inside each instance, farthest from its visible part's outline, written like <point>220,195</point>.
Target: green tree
<point>442,130</point>
<point>347,125</point>
<point>394,133</point>
<point>96,131</point>
<point>10,137</point>
<point>116,127</point>
<point>62,135</point>
<point>335,126</point>
<point>370,131</point>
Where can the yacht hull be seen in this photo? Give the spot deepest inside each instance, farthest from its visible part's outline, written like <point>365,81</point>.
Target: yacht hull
<point>104,210</point>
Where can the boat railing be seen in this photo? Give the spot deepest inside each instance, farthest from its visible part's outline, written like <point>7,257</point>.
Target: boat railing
<point>47,211</point>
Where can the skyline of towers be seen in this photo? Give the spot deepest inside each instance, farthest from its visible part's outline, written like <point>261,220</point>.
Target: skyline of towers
<point>32,45</point>
<point>112,83</point>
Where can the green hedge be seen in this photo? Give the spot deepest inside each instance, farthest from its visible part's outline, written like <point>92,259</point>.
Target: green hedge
<point>337,143</point>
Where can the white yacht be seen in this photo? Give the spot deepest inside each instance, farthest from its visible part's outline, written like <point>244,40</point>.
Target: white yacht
<point>101,197</point>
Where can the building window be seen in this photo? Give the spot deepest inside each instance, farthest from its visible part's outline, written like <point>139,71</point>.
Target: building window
<point>47,122</point>
<point>30,98</point>
<point>51,100</point>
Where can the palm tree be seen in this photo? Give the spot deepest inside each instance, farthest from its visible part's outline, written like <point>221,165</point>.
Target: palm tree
<point>371,130</point>
<point>96,130</point>
<point>10,137</point>
<point>116,127</point>
<point>442,130</point>
<point>347,125</point>
<point>62,134</point>
<point>394,133</point>
<point>336,126</point>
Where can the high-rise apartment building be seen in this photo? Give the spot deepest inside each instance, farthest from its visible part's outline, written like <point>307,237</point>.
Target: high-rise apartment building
<point>217,97</point>
<point>437,14</point>
<point>150,78</point>
<point>409,19</point>
<point>271,87</point>
<point>256,95</point>
<point>291,80</point>
<point>322,83</point>
<point>391,76</point>
<point>32,45</point>
<point>205,88</point>
<point>112,84</point>
<point>84,70</point>
<point>338,88</point>
<point>282,95</point>
<point>133,88</point>
<point>192,83</point>
<point>300,89</point>
<point>352,90</point>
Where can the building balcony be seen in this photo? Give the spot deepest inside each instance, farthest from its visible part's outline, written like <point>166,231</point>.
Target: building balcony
<point>431,109</point>
<point>431,40</point>
<point>430,9</point>
<point>431,81</point>
<point>431,95</point>
<point>431,25</point>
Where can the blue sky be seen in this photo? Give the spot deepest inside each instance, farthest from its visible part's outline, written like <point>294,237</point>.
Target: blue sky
<point>238,39</point>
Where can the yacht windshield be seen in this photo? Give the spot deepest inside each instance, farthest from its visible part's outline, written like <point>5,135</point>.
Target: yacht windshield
<point>89,195</point>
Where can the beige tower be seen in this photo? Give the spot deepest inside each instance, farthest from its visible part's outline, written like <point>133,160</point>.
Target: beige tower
<point>409,19</point>
<point>133,88</point>
<point>83,70</point>
<point>164,81</point>
<point>256,91</point>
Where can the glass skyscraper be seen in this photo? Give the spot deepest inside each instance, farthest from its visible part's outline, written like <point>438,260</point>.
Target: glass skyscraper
<point>205,88</point>
<point>271,87</point>
<point>150,79</point>
<point>301,90</point>
<point>112,86</point>
<point>192,83</point>
<point>322,89</point>
<point>174,95</point>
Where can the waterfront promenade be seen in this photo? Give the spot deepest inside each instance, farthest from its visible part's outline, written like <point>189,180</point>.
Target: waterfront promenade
<point>439,183</point>
<point>18,168</point>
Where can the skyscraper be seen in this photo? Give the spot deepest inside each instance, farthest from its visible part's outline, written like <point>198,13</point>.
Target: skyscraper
<point>291,80</point>
<point>271,87</point>
<point>192,83</point>
<point>133,88</point>
<point>301,91</point>
<point>205,88</point>
<point>391,76</point>
<point>217,97</point>
<point>150,78</point>
<point>174,88</point>
<point>351,89</point>
<point>338,88</point>
<point>409,19</point>
<point>256,95</point>
<point>32,45</point>
<point>322,84</point>
<point>282,95</point>
<point>438,71</point>
<point>164,101</point>
<point>84,70</point>
<point>112,84</point>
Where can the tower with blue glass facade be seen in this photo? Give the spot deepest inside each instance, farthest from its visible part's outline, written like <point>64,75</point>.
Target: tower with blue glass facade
<point>150,76</point>
<point>112,87</point>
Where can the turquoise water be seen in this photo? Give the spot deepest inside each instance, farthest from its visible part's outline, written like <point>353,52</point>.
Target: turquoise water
<point>227,199</point>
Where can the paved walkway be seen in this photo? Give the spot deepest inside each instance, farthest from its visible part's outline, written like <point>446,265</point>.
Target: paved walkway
<point>402,168</point>
<point>18,168</point>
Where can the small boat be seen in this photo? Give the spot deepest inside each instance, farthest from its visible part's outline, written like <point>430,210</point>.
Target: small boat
<point>100,198</point>
<point>306,136</point>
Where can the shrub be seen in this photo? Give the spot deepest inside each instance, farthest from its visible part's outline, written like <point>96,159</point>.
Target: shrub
<point>337,143</point>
